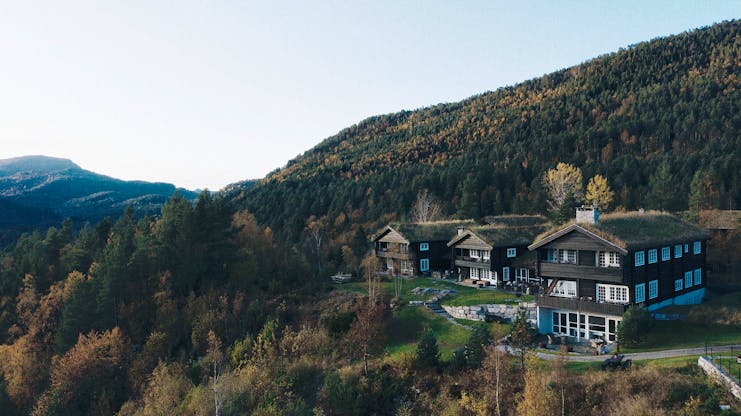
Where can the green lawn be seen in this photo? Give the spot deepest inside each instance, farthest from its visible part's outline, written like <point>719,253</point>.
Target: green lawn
<point>673,362</point>
<point>409,321</point>
<point>466,296</point>
<point>728,363</point>
<point>681,334</point>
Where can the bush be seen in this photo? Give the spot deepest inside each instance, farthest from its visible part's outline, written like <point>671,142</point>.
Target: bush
<point>634,327</point>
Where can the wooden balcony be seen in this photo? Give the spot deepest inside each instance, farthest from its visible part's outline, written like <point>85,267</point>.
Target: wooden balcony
<point>574,271</point>
<point>583,305</point>
<point>393,254</point>
<point>464,261</point>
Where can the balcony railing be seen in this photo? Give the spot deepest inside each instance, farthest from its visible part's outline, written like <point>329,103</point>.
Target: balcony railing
<point>565,270</point>
<point>394,254</point>
<point>465,261</point>
<point>582,305</point>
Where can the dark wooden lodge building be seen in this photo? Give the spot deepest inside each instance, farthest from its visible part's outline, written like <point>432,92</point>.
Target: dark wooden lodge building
<point>593,269</point>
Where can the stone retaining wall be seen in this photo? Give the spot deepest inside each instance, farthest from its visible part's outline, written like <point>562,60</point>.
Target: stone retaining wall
<point>718,374</point>
<point>479,312</point>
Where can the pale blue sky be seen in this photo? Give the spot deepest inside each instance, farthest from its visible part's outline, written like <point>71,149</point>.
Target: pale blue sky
<point>206,93</point>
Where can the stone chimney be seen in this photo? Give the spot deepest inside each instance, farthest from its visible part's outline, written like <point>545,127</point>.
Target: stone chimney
<point>588,215</point>
<point>460,229</point>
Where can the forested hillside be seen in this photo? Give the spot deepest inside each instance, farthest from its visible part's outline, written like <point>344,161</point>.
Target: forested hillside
<point>648,117</point>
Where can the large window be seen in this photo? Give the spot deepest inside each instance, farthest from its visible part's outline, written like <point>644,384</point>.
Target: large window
<point>424,265</point>
<point>476,254</point>
<point>424,246</point>
<point>612,293</point>
<point>567,256</point>
<point>552,255</point>
<point>640,259</point>
<point>609,259</point>
<point>564,288</point>
<point>666,253</point>
<point>687,279</point>
<point>696,247</point>
<point>698,277</point>
<point>474,273</point>
<point>652,256</point>
<point>653,289</point>
<point>678,285</point>
<point>640,292</point>
<point>511,252</point>
<point>677,251</point>
<point>522,274</point>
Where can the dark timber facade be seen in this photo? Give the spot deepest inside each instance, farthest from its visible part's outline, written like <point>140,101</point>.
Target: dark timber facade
<point>592,271</point>
<point>415,249</point>
<point>496,254</point>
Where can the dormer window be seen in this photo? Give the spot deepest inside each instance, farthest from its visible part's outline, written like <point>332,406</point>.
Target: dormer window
<point>511,252</point>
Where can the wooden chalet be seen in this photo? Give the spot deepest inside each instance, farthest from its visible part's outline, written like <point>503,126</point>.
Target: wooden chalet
<point>497,253</point>
<point>414,249</point>
<point>596,267</point>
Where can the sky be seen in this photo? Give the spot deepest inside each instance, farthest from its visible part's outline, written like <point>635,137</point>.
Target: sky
<point>206,93</point>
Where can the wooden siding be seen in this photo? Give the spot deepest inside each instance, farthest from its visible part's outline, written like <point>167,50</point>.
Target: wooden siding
<point>578,241</point>
<point>573,271</point>
<point>392,237</point>
<point>393,255</point>
<point>460,262</point>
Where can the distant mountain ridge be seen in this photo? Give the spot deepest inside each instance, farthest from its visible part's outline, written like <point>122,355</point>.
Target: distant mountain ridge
<point>39,191</point>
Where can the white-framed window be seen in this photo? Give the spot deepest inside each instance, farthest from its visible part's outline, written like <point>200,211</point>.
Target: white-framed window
<point>424,265</point>
<point>424,246</point>
<point>677,251</point>
<point>564,289</point>
<point>653,256</point>
<point>505,274</point>
<point>476,254</point>
<point>640,292</point>
<point>567,256</point>
<point>608,259</point>
<point>678,285</point>
<point>666,253</point>
<point>474,273</point>
<point>640,259</point>
<point>406,266</point>
<point>612,293</point>
<point>698,277</point>
<point>511,252</point>
<point>686,247</point>
<point>486,255</point>
<point>552,255</point>
<point>653,289</point>
<point>687,279</point>
<point>696,247</point>
<point>522,274</point>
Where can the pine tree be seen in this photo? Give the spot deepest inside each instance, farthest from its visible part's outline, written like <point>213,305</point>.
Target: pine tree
<point>428,353</point>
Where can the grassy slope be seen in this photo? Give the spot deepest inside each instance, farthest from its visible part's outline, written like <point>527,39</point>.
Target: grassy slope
<point>409,321</point>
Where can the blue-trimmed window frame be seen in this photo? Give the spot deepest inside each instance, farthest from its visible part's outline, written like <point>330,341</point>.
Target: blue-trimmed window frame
<point>640,293</point>
<point>640,258</point>
<point>653,289</point>
<point>653,256</point>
